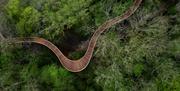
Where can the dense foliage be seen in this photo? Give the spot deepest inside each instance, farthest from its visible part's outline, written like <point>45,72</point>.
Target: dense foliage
<point>139,54</point>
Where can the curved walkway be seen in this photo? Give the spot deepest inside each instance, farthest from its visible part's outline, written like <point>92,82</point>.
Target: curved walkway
<point>80,64</point>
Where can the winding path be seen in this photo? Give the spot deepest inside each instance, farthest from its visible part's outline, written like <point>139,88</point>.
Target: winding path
<point>80,64</point>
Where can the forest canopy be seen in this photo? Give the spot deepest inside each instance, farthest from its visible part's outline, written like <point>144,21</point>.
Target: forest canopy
<point>141,53</point>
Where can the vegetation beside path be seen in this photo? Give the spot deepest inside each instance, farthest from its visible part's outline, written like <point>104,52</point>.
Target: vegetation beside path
<point>140,54</point>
